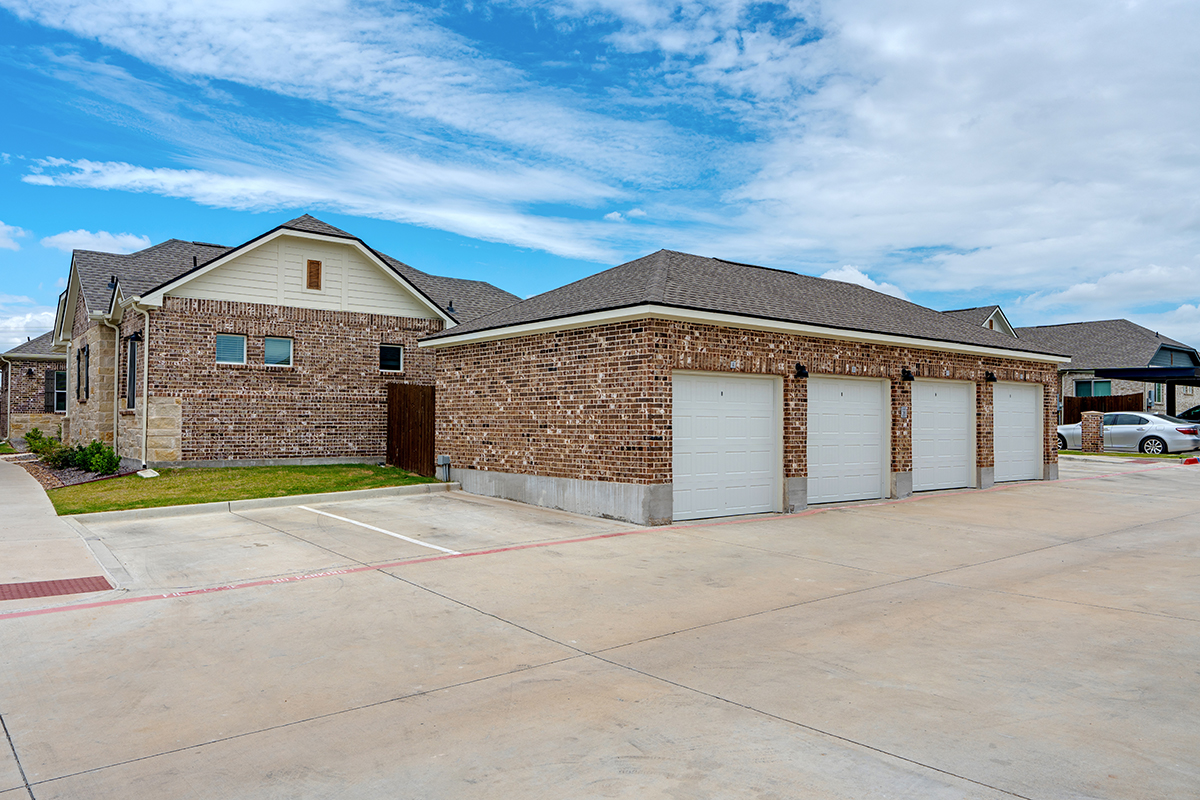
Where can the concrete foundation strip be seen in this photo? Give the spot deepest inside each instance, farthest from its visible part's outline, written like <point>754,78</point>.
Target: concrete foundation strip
<point>508,549</point>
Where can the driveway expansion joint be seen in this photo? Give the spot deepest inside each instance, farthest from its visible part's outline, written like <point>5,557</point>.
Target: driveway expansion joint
<point>20,769</point>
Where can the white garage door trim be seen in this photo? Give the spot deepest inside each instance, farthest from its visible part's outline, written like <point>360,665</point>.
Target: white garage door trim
<point>727,444</point>
<point>943,435</point>
<point>848,435</point>
<point>1017,431</point>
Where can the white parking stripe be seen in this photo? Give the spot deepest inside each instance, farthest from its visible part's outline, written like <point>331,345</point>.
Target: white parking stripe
<point>381,530</point>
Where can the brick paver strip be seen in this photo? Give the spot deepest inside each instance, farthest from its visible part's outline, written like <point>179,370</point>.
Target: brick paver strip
<point>22,591</point>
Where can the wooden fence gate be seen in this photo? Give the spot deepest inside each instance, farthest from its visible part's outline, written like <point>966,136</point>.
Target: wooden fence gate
<point>1073,407</point>
<point>410,428</point>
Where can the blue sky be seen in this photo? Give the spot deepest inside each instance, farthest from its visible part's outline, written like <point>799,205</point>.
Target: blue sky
<point>954,154</point>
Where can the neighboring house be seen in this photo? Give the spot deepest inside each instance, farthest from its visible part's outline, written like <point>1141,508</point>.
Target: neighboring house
<point>679,387</point>
<point>1116,344</point>
<point>34,381</point>
<point>277,349</point>
<point>990,317</point>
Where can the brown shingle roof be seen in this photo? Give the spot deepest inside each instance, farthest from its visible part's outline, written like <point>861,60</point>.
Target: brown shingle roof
<point>685,281</point>
<point>38,346</point>
<point>975,316</point>
<point>1103,344</point>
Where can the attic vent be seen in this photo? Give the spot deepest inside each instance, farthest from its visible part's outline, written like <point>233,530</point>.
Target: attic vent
<point>314,275</point>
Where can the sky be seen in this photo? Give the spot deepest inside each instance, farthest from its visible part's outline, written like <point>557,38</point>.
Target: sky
<point>1043,156</point>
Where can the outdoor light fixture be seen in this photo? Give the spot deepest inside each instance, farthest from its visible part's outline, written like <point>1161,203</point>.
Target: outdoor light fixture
<point>801,371</point>
<point>29,372</point>
<point>134,337</point>
<point>906,374</point>
<point>990,377</point>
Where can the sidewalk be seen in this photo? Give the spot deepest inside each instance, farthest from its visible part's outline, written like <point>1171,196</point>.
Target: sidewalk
<point>35,544</point>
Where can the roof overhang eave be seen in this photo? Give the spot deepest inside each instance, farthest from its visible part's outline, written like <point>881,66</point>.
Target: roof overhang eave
<point>725,320</point>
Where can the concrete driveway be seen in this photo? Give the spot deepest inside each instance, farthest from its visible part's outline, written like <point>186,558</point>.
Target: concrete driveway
<point>1037,640</point>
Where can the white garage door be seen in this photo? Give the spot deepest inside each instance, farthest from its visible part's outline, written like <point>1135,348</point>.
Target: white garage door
<point>845,439</point>
<point>1017,410</point>
<point>726,446</point>
<point>943,434</point>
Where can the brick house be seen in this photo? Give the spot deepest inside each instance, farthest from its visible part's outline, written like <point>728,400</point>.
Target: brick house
<point>34,381</point>
<point>277,350</point>
<point>680,387</point>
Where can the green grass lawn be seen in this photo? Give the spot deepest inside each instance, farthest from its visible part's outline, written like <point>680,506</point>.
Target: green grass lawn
<point>178,487</point>
<point>1190,454</point>
<point>6,448</point>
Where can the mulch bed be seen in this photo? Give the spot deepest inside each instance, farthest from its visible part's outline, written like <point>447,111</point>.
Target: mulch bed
<point>57,478</point>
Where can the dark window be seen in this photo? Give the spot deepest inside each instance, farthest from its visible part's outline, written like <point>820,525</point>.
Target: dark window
<point>1130,419</point>
<point>391,358</point>
<point>87,372</point>
<point>78,375</point>
<point>277,351</point>
<point>314,275</point>
<point>131,375</point>
<point>60,390</point>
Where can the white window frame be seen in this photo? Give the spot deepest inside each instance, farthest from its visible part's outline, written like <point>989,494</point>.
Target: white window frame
<point>232,336</point>
<point>63,391</point>
<point>291,350</point>
<point>391,371</point>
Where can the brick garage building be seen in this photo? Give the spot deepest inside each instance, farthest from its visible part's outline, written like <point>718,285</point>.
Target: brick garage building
<point>678,387</point>
<point>277,350</point>
<point>34,382</point>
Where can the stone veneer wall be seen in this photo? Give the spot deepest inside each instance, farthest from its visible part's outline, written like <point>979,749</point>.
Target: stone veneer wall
<point>28,399</point>
<point>595,403</point>
<point>330,404</point>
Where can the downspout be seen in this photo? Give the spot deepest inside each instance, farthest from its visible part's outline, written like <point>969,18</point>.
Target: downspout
<point>116,379</point>
<point>7,398</point>
<point>145,375</point>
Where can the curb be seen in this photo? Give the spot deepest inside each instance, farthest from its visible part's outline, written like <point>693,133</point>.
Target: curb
<point>230,506</point>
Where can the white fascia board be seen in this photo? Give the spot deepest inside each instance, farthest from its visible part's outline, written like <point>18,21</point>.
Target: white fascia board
<point>35,356</point>
<point>155,298</point>
<point>730,321</point>
<point>62,327</point>
<point>1009,329</point>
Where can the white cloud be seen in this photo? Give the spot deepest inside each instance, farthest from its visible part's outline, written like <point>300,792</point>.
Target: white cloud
<point>21,318</point>
<point>848,274</point>
<point>103,241</point>
<point>1181,323</point>
<point>1037,150</point>
<point>635,213</point>
<point>1128,289</point>
<point>9,235</point>
<point>614,216</point>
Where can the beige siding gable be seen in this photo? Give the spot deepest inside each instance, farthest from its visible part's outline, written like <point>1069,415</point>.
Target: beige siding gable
<point>275,272</point>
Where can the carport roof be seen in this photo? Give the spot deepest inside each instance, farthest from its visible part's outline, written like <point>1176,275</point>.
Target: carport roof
<point>698,283</point>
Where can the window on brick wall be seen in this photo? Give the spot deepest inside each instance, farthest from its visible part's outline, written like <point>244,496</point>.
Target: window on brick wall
<point>277,351</point>
<point>1093,388</point>
<point>60,390</point>
<point>391,358</point>
<point>231,349</point>
<point>131,374</point>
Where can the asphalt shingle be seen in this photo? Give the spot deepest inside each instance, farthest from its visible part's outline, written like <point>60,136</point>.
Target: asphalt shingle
<point>38,346</point>
<point>1103,344</point>
<point>699,283</point>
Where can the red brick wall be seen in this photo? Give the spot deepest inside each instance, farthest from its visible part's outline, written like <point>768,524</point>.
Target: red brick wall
<point>332,402</point>
<point>595,403</point>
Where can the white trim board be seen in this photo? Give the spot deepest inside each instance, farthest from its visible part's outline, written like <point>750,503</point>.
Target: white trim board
<point>723,320</point>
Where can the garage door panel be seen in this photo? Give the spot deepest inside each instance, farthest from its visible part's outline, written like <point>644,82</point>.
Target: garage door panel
<point>728,425</point>
<point>1017,431</point>
<point>943,435</point>
<point>845,439</point>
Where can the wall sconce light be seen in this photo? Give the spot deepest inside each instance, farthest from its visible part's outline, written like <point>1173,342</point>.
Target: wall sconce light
<point>29,372</point>
<point>906,374</point>
<point>134,337</point>
<point>801,371</point>
<point>990,377</point>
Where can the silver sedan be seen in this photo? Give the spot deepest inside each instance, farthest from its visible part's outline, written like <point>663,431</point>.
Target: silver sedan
<point>1145,433</point>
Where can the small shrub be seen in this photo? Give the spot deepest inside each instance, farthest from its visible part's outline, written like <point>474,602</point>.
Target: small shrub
<point>55,454</point>
<point>34,436</point>
<point>104,461</point>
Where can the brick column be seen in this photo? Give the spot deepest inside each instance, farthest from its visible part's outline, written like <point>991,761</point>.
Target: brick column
<point>1093,432</point>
